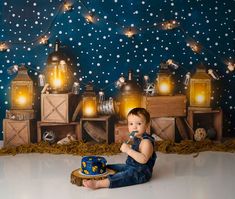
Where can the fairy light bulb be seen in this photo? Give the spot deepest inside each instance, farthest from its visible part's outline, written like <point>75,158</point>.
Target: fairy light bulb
<point>3,47</point>
<point>129,33</point>
<point>89,18</point>
<point>44,40</point>
<point>68,6</point>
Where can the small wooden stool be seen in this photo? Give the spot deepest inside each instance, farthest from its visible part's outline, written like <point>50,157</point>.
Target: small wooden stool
<point>77,177</point>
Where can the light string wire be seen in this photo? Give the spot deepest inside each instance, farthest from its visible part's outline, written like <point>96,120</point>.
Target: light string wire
<point>122,26</point>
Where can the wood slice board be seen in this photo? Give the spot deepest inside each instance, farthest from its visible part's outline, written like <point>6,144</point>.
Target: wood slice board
<point>77,177</point>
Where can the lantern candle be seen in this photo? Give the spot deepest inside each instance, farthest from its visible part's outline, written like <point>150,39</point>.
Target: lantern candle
<point>22,90</point>
<point>89,102</point>
<point>130,96</point>
<point>164,87</point>
<point>200,88</point>
<point>59,72</point>
<point>163,81</point>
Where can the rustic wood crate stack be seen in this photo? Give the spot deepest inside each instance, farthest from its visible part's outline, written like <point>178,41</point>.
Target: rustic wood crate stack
<point>57,112</point>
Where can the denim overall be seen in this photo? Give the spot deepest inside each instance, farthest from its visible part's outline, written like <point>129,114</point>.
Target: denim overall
<point>133,172</point>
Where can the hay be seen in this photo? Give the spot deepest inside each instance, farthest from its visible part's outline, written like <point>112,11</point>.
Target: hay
<point>82,149</point>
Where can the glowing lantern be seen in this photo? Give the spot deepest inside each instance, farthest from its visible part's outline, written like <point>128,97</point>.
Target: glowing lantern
<point>58,73</point>
<point>130,96</point>
<point>200,88</point>
<point>22,90</point>
<point>89,102</point>
<point>164,82</point>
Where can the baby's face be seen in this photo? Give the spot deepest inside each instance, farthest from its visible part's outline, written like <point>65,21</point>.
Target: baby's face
<point>137,123</point>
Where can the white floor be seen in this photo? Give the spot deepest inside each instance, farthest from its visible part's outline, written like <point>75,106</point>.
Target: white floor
<point>43,176</point>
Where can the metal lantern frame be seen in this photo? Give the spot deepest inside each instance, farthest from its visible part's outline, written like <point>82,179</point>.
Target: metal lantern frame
<point>89,102</point>
<point>200,84</point>
<point>164,77</point>
<point>22,84</point>
<point>58,71</point>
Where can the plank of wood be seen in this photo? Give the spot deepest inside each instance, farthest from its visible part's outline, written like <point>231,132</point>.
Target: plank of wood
<point>182,128</point>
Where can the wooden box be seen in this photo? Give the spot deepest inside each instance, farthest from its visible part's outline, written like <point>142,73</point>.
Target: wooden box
<point>60,130</point>
<point>58,108</point>
<point>164,128</point>
<point>206,118</point>
<point>165,106</point>
<point>19,132</point>
<point>98,129</point>
<point>15,114</point>
<point>121,133</point>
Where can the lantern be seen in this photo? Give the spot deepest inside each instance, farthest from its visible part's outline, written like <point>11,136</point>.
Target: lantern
<point>58,73</point>
<point>200,88</point>
<point>22,90</point>
<point>89,102</point>
<point>164,82</point>
<point>130,96</point>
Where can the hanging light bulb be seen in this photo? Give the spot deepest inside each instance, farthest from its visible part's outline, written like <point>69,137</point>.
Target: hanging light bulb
<point>3,47</point>
<point>41,80</point>
<point>231,66</point>
<point>170,24</point>
<point>76,88</point>
<point>195,47</point>
<point>172,63</point>
<point>13,69</point>
<point>68,6</point>
<point>120,82</point>
<point>44,40</point>
<point>101,96</point>
<point>213,74</point>
<point>130,32</point>
<point>187,78</point>
<point>90,18</point>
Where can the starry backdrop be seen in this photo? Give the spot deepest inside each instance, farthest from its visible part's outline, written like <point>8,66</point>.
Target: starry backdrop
<point>102,52</point>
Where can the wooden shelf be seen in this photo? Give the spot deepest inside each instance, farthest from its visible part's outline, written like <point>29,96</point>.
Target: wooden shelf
<point>206,119</point>
<point>98,128</point>
<point>61,130</point>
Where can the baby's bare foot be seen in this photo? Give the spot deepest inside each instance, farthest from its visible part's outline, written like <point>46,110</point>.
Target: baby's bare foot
<point>92,184</point>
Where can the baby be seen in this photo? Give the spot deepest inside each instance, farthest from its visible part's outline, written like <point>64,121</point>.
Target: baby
<point>141,156</point>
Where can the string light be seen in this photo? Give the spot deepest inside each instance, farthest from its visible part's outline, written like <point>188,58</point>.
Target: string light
<point>130,32</point>
<point>3,47</point>
<point>90,18</point>
<point>44,40</point>
<point>120,82</point>
<point>231,66</point>
<point>213,74</point>
<point>172,63</point>
<point>67,6</point>
<point>186,79</point>
<point>195,47</point>
<point>169,25</point>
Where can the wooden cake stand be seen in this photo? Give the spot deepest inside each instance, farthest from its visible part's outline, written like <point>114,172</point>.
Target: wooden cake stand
<point>77,176</point>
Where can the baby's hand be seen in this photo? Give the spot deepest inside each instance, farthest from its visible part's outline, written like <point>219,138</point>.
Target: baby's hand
<point>125,147</point>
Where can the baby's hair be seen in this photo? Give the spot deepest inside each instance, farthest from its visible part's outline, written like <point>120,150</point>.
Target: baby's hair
<point>140,111</point>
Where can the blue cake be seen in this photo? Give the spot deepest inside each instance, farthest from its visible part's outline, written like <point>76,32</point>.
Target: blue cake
<point>93,165</point>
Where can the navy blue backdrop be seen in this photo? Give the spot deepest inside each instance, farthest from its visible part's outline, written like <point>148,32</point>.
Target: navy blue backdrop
<point>102,52</point>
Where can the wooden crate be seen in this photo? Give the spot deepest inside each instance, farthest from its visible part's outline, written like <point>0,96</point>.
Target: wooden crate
<point>98,129</point>
<point>16,114</point>
<point>58,108</point>
<point>206,118</point>
<point>19,132</point>
<point>165,106</point>
<point>164,128</point>
<point>121,133</point>
<point>60,130</point>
